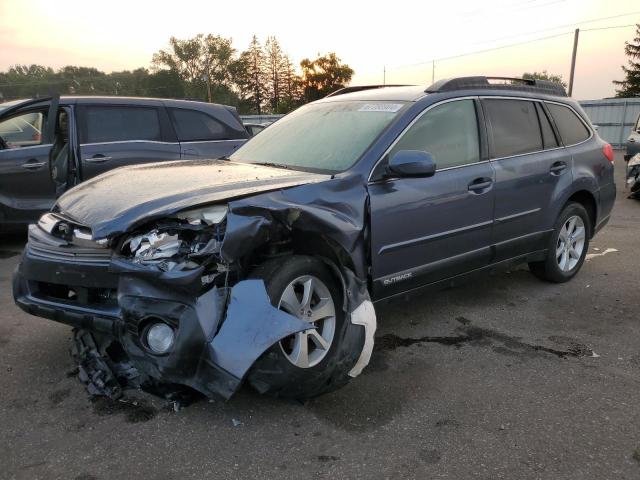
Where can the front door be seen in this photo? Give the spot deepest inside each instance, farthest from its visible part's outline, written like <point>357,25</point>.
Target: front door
<point>26,188</point>
<point>428,229</point>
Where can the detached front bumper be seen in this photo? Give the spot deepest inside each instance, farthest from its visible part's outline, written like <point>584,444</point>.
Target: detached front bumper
<point>219,334</point>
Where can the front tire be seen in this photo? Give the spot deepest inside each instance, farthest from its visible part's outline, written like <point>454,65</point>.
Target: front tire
<point>568,246</point>
<point>317,360</point>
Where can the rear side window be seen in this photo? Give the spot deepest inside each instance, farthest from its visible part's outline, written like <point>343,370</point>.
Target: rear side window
<point>449,132</point>
<point>117,124</point>
<point>194,126</point>
<point>571,128</point>
<point>514,127</point>
<point>548,137</point>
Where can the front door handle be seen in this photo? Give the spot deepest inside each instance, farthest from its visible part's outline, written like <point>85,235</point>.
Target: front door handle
<point>97,159</point>
<point>557,168</point>
<point>480,185</point>
<point>33,164</point>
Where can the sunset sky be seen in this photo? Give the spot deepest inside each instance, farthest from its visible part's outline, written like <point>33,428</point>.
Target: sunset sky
<point>402,36</point>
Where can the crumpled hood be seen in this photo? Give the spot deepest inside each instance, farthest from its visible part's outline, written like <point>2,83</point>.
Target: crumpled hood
<point>119,199</point>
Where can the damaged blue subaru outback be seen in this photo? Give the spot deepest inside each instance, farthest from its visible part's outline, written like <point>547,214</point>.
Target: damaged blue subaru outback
<point>264,266</point>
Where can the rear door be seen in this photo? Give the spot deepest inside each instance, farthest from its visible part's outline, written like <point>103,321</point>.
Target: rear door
<point>113,136</point>
<point>201,135</point>
<point>26,188</point>
<point>531,169</point>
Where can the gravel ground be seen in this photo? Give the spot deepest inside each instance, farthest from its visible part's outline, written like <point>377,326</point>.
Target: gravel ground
<point>506,377</point>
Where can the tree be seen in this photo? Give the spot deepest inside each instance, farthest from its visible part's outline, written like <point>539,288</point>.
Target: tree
<point>218,56</point>
<point>249,77</point>
<point>291,86</point>
<point>544,75</point>
<point>274,71</point>
<point>324,75</point>
<point>630,86</point>
<point>203,62</point>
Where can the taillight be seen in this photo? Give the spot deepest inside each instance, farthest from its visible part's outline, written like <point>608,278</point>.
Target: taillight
<point>37,137</point>
<point>608,152</point>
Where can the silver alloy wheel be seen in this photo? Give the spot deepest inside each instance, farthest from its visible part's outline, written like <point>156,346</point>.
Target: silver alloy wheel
<point>308,299</point>
<point>570,243</point>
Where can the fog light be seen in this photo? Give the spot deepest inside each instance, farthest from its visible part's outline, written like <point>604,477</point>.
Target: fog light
<point>160,337</point>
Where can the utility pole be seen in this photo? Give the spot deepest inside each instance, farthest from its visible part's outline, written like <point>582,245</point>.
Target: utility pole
<point>573,60</point>
<point>384,75</point>
<point>433,71</point>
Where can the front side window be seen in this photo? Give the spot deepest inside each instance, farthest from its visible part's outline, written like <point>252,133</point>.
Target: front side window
<point>119,124</point>
<point>325,137</point>
<point>571,128</point>
<point>194,126</point>
<point>514,127</point>
<point>449,132</point>
<point>23,130</point>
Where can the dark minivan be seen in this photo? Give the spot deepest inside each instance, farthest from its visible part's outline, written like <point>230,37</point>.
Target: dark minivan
<point>265,266</point>
<point>49,145</point>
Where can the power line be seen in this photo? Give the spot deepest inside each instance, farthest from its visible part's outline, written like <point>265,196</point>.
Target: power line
<point>440,59</point>
<point>528,41</point>
<point>607,28</point>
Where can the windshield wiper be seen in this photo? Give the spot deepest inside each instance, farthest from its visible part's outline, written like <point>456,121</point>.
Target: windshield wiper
<point>271,164</point>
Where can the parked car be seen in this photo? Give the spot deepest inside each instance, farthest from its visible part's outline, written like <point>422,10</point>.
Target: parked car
<point>49,145</point>
<point>264,266</point>
<point>633,142</point>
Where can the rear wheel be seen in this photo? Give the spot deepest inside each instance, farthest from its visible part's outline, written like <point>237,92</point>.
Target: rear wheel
<point>567,246</point>
<point>316,360</point>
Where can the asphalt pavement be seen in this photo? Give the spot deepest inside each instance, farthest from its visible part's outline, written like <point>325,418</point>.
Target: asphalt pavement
<point>505,377</point>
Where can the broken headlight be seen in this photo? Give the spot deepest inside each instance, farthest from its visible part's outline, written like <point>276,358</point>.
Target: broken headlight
<point>180,242</point>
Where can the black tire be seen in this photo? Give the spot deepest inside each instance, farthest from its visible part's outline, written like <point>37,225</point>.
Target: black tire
<point>273,373</point>
<point>548,269</point>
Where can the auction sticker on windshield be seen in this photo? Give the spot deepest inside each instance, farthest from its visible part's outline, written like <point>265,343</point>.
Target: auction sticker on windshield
<point>380,107</point>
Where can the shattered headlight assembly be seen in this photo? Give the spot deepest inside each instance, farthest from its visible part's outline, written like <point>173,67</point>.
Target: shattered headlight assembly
<point>179,242</point>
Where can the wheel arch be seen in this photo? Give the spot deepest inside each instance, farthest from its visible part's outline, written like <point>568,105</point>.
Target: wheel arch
<point>588,200</point>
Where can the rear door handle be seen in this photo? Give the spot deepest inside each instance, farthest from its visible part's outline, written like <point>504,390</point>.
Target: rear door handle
<point>557,168</point>
<point>97,159</point>
<point>480,185</point>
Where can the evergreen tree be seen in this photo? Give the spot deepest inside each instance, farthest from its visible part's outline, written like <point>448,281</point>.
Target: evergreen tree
<point>630,86</point>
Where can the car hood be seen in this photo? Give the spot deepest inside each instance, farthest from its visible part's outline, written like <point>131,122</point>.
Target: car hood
<point>117,200</point>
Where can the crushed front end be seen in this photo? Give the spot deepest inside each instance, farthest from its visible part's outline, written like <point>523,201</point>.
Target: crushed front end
<point>155,307</point>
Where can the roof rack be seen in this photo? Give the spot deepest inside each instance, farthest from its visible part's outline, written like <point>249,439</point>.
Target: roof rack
<point>359,88</point>
<point>505,83</point>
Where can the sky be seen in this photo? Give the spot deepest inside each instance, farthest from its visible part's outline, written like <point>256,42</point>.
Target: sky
<point>400,37</point>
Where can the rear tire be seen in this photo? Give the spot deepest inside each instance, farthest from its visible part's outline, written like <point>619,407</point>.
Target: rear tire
<point>282,371</point>
<point>567,247</point>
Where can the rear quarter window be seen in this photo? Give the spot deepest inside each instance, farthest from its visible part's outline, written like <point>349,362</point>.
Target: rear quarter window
<point>572,129</point>
<point>192,126</point>
<point>118,124</point>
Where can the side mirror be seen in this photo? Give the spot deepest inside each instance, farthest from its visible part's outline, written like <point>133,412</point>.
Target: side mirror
<point>411,163</point>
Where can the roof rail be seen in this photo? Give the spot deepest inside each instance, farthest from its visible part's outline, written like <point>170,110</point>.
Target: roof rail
<point>504,83</point>
<point>359,88</point>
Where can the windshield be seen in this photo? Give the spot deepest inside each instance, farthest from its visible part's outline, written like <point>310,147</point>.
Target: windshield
<point>323,137</point>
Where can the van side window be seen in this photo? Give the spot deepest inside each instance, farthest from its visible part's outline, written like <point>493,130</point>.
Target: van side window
<point>514,127</point>
<point>571,128</point>
<point>119,124</point>
<point>449,132</point>
<point>192,126</point>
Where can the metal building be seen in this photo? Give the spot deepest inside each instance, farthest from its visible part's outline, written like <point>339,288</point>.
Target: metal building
<point>614,117</point>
